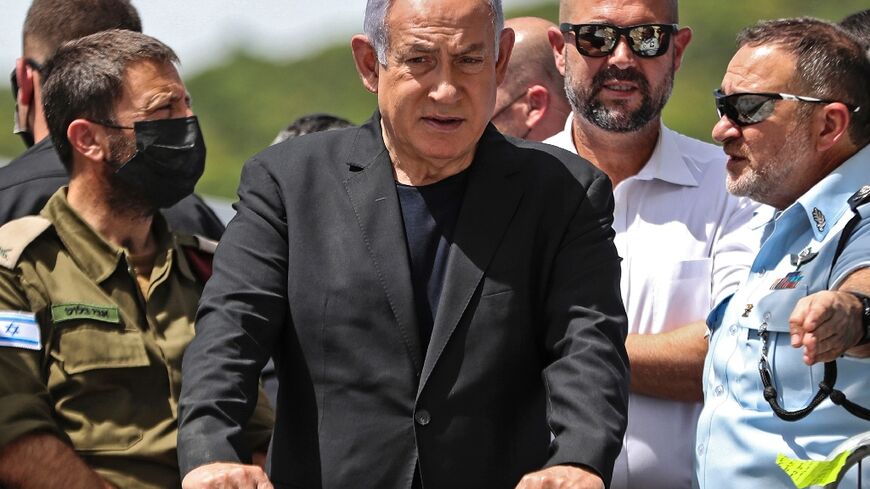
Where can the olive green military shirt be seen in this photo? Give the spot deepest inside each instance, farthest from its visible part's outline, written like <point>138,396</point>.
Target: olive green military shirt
<point>104,373</point>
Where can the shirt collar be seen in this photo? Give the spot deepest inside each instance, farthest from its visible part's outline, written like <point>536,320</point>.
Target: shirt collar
<point>94,255</point>
<point>666,162</point>
<point>826,202</point>
<point>564,139</point>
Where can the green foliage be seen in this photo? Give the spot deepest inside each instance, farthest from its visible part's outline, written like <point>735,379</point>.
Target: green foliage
<point>10,144</point>
<point>243,103</point>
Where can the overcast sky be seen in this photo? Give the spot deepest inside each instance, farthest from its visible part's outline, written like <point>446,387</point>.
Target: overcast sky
<point>202,31</point>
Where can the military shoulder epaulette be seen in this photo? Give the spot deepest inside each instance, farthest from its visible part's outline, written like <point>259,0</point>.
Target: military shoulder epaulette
<point>199,252</point>
<point>16,236</point>
<point>197,242</point>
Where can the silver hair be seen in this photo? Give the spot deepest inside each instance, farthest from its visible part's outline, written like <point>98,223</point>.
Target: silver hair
<point>375,25</point>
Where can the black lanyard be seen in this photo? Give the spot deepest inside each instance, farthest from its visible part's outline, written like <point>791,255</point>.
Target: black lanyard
<point>826,386</point>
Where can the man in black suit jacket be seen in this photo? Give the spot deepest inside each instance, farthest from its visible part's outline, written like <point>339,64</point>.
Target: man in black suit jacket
<point>439,300</point>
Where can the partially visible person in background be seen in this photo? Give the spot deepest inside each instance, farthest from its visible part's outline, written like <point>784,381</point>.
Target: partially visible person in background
<point>28,181</point>
<point>97,295</point>
<point>858,24</point>
<point>311,123</point>
<point>531,103</point>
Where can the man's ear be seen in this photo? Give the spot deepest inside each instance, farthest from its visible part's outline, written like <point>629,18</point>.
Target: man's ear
<point>834,125</point>
<point>24,76</point>
<point>366,59</point>
<point>538,98</point>
<point>557,41</point>
<point>681,39</point>
<point>505,46</point>
<point>87,138</point>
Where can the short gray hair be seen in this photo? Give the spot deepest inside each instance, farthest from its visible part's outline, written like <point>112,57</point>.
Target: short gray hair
<point>375,25</point>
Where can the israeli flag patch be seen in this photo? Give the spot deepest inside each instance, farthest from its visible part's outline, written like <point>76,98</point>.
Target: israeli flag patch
<point>19,330</point>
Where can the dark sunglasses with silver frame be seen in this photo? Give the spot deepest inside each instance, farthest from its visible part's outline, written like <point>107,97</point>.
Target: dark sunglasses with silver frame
<point>599,40</point>
<point>745,109</point>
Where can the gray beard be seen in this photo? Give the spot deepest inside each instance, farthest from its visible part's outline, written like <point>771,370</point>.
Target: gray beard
<point>585,102</point>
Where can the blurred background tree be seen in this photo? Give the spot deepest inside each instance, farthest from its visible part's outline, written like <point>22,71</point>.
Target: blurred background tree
<point>245,101</point>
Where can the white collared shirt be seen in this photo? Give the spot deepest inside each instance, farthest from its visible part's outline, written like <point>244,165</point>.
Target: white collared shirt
<point>685,246</point>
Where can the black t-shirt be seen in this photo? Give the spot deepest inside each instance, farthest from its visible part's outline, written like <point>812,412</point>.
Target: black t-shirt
<point>430,213</point>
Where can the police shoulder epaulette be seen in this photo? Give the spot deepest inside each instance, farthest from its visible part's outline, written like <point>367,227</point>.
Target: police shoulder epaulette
<point>16,236</point>
<point>859,200</point>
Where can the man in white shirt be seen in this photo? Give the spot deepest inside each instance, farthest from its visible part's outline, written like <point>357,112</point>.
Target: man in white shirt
<point>684,240</point>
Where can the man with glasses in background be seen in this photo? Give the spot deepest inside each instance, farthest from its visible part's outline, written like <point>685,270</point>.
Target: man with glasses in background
<point>28,181</point>
<point>795,124</point>
<point>682,237</point>
<point>531,103</point>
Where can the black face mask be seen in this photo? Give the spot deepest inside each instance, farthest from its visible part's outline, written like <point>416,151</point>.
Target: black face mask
<point>169,159</point>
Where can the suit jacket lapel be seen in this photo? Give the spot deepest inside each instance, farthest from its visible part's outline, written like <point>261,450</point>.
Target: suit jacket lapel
<point>491,198</point>
<point>372,191</point>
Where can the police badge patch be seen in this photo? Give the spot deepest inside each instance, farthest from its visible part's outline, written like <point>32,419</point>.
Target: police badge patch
<point>819,218</point>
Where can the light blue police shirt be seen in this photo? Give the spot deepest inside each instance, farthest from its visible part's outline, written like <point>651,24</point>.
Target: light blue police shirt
<point>738,435</point>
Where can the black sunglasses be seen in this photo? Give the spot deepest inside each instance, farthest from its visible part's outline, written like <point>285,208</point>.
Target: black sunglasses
<point>599,40</point>
<point>745,109</point>
<point>14,79</point>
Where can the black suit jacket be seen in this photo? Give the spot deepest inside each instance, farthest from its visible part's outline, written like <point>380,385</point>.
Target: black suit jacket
<point>29,180</point>
<point>528,336</point>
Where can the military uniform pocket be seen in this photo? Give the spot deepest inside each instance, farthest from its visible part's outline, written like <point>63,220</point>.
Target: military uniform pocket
<point>95,382</point>
<point>83,349</point>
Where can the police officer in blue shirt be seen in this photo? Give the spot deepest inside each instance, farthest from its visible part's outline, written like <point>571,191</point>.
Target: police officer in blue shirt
<point>795,122</point>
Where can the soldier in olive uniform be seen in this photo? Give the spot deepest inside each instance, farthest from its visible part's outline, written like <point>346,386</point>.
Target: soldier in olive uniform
<point>97,296</point>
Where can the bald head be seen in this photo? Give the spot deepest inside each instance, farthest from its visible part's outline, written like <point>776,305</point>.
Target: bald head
<point>532,57</point>
<point>531,100</point>
<point>568,8</point>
